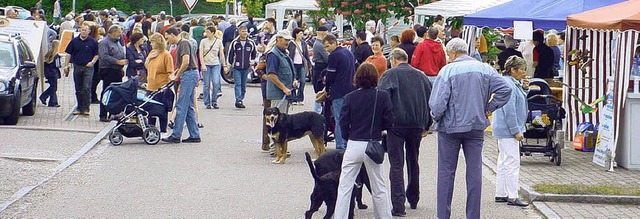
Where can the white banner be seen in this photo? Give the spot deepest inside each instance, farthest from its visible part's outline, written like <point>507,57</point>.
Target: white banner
<point>605,140</point>
<point>32,31</point>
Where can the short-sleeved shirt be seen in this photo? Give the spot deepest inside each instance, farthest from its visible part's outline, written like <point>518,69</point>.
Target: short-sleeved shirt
<point>82,51</point>
<point>210,50</point>
<point>185,48</point>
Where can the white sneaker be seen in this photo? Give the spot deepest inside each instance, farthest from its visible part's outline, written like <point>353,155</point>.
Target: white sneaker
<point>165,135</point>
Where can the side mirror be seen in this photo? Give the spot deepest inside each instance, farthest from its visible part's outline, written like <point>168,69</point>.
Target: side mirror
<point>28,64</point>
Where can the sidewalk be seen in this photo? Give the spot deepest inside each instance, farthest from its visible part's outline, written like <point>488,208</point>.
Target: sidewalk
<point>61,117</point>
<point>576,169</point>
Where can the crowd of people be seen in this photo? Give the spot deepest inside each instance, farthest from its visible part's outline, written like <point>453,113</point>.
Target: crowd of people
<point>423,82</point>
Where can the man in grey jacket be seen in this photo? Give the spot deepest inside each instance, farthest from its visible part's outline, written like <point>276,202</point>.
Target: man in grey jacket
<point>320,61</point>
<point>112,60</point>
<point>410,90</point>
<point>460,104</point>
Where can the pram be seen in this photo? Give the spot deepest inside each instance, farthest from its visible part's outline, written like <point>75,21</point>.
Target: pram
<point>544,122</point>
<point>123,98</point>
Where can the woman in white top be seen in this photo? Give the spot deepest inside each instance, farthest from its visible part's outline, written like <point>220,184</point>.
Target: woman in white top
<point>211,52</point>
<point>299,54</point>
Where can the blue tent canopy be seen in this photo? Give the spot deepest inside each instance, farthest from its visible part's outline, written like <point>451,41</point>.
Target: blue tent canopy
<point>545,14</point>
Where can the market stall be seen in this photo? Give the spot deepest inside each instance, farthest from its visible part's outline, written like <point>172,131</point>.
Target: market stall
<point>610,34</point>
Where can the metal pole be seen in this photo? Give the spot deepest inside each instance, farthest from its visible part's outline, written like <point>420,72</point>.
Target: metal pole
<point>171,5</point>
<point>74,6</point>
<point>226,10</point>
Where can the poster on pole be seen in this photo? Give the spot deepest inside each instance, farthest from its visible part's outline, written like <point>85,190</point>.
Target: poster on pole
<point>190,4</point>
<point>605,142</point>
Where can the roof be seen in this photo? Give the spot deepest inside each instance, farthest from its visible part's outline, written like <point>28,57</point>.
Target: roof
<point>456,8</point>
<point>545,14</point>
<point>309,5</point>
<point>621,16</point>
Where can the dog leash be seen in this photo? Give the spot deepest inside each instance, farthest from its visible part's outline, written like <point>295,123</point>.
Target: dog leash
<point>283,98</point>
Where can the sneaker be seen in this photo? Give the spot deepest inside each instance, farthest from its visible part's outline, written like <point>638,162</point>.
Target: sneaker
<point>240,105</point>
<point>501,199</point>
<point>517,202</point>
<point>76,112</point>
<point>399,213</point>
<point>209,107</point>
<point>171,140</point>
<point>215,106</point>
<point>165,135</point>
<point>85,113</point>
<point>200,125</point>
<point>300,103</point>
<point>294,103</point>
<point>191,140</point>
<point>201,96</point>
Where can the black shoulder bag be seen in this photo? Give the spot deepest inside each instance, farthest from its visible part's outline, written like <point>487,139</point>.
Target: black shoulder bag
<point>374,150</point>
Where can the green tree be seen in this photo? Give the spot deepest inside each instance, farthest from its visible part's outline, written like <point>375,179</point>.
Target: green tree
<point>360,11</point>
<point>256,8</point>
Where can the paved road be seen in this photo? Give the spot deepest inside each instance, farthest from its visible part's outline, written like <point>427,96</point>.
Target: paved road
<point>226,176</point>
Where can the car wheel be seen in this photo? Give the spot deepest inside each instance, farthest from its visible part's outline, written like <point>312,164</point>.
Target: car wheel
<point>12,119</point>
<point>30,109</point>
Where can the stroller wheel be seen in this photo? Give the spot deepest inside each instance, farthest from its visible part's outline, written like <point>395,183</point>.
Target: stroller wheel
<point>558,157</point>
<point>115,137</point>
<point>151,136</point>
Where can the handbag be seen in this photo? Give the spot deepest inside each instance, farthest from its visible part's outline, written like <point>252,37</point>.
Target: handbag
<point>374,150</point>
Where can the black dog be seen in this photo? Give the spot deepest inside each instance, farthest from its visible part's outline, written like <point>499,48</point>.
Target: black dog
<point>326,174</point>
<point>283,128</point>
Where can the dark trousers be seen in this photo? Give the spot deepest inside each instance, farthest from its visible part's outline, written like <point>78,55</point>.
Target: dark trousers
<point>82,79</point>
<point>108,76</point>
<point>164,119</point>
<point>94,83</point>
<point>448,151</point>
<point>316,77</point>
<point>265,104</point>
<point>399,139</point>
<point>51,92</point>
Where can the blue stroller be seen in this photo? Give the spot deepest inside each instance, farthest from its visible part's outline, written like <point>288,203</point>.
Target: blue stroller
<point>123,98</point>
<point>544,122</point>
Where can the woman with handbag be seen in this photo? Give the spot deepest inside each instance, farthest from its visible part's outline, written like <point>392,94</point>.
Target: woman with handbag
<point>211,51</point>
<point>299,53</point>
<point>365,114</point>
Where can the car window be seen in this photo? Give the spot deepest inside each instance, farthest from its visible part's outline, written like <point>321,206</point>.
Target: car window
<point>23,52</point>
<point>7,54</point>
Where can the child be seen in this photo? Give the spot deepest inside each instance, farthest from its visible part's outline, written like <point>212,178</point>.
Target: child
<point>52,64</point>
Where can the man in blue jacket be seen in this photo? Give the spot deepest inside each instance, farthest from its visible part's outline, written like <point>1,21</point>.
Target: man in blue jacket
<point>242,52</point>
<point>460,104</point>
<point>339,81</point>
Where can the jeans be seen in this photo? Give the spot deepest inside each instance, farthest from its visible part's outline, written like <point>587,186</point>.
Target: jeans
<point>448,152</point>
<point>95,81</point>
<point>211,76</point>
<point>240,83</point>
<point>336,105</point>
<point>301,76</point>
<point>185,111</point>
<point>50,92</point>
<point>108,76</point>
<point>82,76</point>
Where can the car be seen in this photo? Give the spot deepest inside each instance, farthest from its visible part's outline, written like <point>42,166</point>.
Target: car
<point>22,13</point>
<point>18,79</point>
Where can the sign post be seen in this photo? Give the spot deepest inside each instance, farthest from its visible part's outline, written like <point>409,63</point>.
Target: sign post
<point>190,4</point>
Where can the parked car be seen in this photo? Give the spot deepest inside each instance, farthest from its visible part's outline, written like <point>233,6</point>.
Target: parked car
<point>18,79</point>
<point>22,13</point>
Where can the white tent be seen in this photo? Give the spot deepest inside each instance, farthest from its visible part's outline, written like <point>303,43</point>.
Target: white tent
<point>280,7</point>
<point>454,8</point>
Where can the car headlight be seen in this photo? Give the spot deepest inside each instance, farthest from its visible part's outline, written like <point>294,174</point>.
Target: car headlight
<point>3,87</point>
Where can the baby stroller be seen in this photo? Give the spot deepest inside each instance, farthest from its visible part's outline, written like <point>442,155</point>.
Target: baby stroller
<point>123,98</point>
<point>544,122</point>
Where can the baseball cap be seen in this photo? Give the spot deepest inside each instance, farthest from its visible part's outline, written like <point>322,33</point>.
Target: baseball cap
<point>284,34</point>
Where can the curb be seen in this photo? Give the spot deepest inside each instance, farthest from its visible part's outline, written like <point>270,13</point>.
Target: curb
<point>61,167</point>
<point>36,128</point>
<point>538,198</point>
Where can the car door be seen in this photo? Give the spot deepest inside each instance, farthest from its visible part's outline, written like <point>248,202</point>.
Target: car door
<point>27,76</point>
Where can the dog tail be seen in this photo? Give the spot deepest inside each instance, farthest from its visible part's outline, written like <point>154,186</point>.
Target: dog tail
<point>312,168</point>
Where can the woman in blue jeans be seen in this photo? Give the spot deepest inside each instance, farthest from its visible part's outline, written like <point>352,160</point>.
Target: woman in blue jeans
<point>299,53</point>
<point>211,51</point>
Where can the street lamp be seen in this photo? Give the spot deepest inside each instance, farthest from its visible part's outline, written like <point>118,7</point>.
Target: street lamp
<point>171,4</point>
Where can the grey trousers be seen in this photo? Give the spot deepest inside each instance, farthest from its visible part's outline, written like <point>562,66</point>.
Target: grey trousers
<point>448,149</point>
